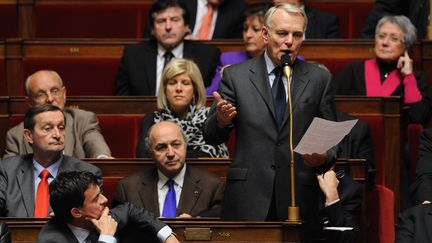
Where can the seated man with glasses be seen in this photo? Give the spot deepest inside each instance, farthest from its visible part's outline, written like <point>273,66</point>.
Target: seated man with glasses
<point>83,136</point>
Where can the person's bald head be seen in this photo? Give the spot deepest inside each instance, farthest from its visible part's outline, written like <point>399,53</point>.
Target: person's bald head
<point>45,87</point>
<point>167,144</point>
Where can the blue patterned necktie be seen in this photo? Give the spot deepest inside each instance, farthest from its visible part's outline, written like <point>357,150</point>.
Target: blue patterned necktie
<point>279,96</point>
<point>169,209</point>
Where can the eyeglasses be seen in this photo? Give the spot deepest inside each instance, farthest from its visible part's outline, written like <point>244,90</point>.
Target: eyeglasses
<point>392,38</point>
<point>54,92</point>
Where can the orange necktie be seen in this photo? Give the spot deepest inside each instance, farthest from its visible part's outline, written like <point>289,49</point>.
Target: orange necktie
<point>42,196</point>
<point>206,24</point>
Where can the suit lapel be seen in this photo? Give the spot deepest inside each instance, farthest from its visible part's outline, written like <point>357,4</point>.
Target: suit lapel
<point>70,139</point>
<point>428,220</point>
<point>187,50</point>
<point>190,192</point>
<point>150,56</point>
<point>259,78</point>
<point>148,192</point>
<point>25,180</point>
<point>299,81</point>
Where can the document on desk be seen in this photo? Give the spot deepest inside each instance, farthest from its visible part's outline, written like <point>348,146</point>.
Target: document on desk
<point>322,135</point>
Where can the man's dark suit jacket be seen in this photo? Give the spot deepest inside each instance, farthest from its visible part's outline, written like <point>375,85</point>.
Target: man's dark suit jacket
<point>229,22</point>
<point>17,190</point>
<point>416,10</point>
<point>202,192</point>
<point>358,143</point>
<point>321,25</point>
<point>344,213</point>
<point>415,225</point>
<point>137,71</point>
<point>125,215</point>
<point>261,166</point>
<point>421,189</point>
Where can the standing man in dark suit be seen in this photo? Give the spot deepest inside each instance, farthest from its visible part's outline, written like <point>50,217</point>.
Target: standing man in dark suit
<point>81,214</point>
<point>258,181</point>
<point>198,192</point>
<point>142,64</point>
<point>415,224</point>
<point>321,25</point>
<point>227,18</point>
<point>22,176</point>
<point>84,138</point>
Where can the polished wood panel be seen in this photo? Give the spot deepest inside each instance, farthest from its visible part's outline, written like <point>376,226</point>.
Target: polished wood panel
<point>194,230</point>
<point>119,168</point>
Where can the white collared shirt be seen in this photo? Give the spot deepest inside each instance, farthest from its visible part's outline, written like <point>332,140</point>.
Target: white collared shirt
<point>270,67</point>
<point>37,169</point>
<point>81,235</point>
<point>201,11</point>
<point>163,187</point>
<point>160,60</point>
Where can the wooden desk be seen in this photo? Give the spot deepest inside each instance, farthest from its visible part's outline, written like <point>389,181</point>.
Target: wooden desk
<point>26,230</point>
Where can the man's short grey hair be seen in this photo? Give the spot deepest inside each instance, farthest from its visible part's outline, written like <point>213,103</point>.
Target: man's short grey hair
<point>148,143</point>
<point>27,82</point>
<point>409,30</point>
<point>289,8</point>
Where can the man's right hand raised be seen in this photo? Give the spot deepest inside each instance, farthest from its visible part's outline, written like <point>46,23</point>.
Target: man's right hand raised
<point>105,225</point>
<point>225,111</point>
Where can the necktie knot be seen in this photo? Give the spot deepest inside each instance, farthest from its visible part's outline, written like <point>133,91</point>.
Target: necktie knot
<point>44,174</point>
<point>168,56</point>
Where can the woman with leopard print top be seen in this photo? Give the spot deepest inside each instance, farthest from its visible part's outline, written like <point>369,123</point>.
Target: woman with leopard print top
<point>181,98</point>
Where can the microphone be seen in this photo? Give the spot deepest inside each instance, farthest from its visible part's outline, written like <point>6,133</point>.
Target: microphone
<point>286,64</point>
<point>293,210</point>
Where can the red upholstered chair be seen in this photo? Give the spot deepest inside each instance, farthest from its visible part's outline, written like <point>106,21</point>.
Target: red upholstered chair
<point>109,187</point>
<point>334,65</point>
<point>89,20</point>
<point>3,87</point>
<point>15,120</point>
<point>121,133</point>
<point>414,133</point>
<point>8,20</point>
<point>380,226</point>
<point>81,75</point>
<point>352,16</point>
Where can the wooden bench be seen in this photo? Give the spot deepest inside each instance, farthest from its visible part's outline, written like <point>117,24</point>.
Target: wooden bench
<point>89,67</point>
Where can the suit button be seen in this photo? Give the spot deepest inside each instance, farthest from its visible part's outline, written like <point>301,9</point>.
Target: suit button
<point>278,144</point>
<point>273,167</point>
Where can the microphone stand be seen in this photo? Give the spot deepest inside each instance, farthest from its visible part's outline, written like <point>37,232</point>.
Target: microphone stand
<point>293,210</point>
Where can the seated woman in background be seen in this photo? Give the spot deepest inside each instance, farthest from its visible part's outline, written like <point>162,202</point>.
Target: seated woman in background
<point>253,42</point>
<point>391,73</point>
<point>181,98</point>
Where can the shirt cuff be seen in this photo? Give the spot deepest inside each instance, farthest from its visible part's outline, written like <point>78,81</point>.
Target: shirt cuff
<point>164,233</point>
<point>331,203</point>
<point>107,239</point>
<point>102,156</point>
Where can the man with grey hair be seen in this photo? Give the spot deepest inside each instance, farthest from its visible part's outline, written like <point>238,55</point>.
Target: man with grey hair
<point>253,100</point>
<point>195,192</point>
<point>83,136</point>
